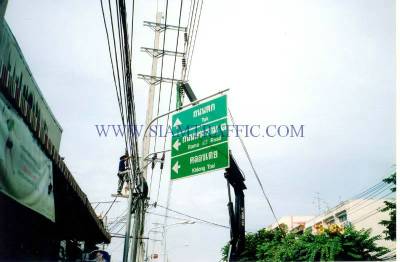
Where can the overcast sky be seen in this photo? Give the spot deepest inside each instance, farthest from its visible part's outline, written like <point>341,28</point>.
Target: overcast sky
<point>327,65</point>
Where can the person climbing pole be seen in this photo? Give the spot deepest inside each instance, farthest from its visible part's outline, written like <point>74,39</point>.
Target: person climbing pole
<point>123,171</point>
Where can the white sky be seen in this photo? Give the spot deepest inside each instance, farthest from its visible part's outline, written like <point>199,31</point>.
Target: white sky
<point>328,65</point>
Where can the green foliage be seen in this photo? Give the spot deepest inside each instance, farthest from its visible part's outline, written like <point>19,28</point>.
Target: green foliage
<point>390,232</point>
<point>276,245</point>
<point>252,241</point>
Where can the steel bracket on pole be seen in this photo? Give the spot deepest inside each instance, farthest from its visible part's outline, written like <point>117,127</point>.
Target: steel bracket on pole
<point>157,53</point>
<point>161,26</point>
<point>154,80</point>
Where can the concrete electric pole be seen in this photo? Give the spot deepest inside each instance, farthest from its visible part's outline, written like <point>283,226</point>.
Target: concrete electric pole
<point>137,254</point>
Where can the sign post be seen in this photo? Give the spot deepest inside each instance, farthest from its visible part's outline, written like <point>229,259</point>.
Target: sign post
<point>200,139</point>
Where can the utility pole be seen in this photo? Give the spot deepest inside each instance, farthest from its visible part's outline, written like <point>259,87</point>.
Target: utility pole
<point>153,80</point>
<point>137,249</point>
<point>152,86</point>
<point>166,221</point>
<point>317,200</point>
<point>128,225</point>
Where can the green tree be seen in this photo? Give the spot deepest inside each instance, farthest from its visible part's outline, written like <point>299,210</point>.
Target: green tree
<point>390,206</point>
<point>330,244</point>
<point>252,241</point>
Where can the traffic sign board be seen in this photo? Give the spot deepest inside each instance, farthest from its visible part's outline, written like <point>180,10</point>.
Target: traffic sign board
<point>199,115</point>
<point>200,136</point>
<point>200,139</point>
<point>203,160</point>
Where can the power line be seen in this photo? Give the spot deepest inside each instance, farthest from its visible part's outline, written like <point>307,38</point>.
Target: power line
<point>160,90</point>
<point>170,94</point>
<point>117,87</point>
<point>118,220</point>
<point>110,207</point>
<point>191,25</point>
<point>358,208</point>
<point>160,215</point>
<point>122,220</point>
<point>161,80</point>
<point>160,87</point>
<point>126,103</point>
<point>367,199</point>
<point>190,18</point>
<point>192,217</point>
<point>133,12</point>
<point>170,97</point>
<point>118,217</point>
<point>189,62</point>
<point>367,193</point>
<point>190,13</point>
<point>380,184</point>
<point>366,216</point>
<point>255,172</point>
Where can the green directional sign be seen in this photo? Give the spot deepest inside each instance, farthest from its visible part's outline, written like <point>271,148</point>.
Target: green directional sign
<point>200,114</point>
<point>201,161</point>
<point>200,139</point>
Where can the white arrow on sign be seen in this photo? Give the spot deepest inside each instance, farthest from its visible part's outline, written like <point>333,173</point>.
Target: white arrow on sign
<point>177,144</point>
<point>177,122</point>
<point>176,167</point>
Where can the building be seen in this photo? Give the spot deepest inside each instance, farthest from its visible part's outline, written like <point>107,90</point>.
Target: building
<point>292,222</point>
<point>360,213</point>
<point>44,213</point>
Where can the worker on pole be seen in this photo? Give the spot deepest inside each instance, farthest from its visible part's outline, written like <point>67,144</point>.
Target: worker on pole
<point>123,171</point>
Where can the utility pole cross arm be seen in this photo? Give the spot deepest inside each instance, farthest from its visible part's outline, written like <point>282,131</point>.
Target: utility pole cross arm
<point>154,52</point>
<point>161,26</point>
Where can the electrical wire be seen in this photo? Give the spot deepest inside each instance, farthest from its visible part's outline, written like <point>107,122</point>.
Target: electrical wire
<point>191,7</point>
<point>118,220</point>
<point>364,199</point>
<point>171,89</point>
<point>160,88</point>
<point>133,12</point>
<point>117,87</point>
<point>122,220</point>
<point>110,207</point>
<point>125,90</point>
<point>169,104</point>
<point>359,219</point>
<point>192,217</point>
<point>160,215</point>
<point>191,25</point>
<point>255,172</point>
<point>189,62</point>
<point>359,198</point>
<point>190,19</point>
<point>368,202</point>
<point>160,85</point>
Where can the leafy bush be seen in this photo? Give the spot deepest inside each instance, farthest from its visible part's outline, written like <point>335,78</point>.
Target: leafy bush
<point>333,243</point>
<point>390,206</point>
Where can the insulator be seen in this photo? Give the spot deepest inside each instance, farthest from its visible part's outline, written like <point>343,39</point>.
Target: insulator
<point>181,90</point>
<point>153,161</point>
<point>185,36</point>
<point>162,161</point>
<point>184,62</point>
